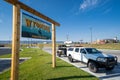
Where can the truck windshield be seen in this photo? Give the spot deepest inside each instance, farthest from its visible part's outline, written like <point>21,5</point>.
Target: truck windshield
<point>92,50</point>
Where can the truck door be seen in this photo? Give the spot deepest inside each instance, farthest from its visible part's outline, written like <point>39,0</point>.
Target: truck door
<point>77,54</point>
<point>83,55</point>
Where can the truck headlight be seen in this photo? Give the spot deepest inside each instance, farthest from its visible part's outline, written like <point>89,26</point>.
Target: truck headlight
<point>115,58</point>
<point>102,59</point>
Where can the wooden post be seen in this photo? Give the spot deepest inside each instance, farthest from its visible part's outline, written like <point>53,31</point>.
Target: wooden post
<point>15,43</point>
<point>33,11</point>
<point>53,46</point>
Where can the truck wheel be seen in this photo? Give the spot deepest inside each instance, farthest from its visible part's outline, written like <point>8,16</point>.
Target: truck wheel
<point>58,54</point>
<point>92,66</point>
<point>109,68</point>
<point>70,58</point>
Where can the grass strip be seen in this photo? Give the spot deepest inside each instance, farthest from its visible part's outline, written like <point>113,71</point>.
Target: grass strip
<point>39,68</point>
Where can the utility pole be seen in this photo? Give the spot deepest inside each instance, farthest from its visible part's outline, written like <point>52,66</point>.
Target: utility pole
<point>67,37</point>
<point>28,42</point>
<point>31,42</point>
<point>9,40</point>
<point>81,41</point>
<point>91,34</point>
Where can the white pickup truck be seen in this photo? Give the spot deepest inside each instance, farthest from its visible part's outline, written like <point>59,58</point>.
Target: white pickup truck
<point>92,57</point>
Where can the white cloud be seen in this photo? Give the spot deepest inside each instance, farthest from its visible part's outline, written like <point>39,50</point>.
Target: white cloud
<point>101,6</point>
<point>88,4</point>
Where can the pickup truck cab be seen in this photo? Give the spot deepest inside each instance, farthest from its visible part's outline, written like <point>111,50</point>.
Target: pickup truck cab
<point>92,57</point>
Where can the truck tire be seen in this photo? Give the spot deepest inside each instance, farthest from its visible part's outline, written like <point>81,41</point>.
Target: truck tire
<point>58,54</point>
<point>92,66</point>
<point>110,68</point>
<point>70,58</point>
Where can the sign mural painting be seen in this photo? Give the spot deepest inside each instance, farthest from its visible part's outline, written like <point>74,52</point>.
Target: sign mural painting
<point>35,28</point>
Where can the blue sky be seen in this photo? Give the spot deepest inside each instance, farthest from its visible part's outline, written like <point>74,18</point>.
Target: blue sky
<point>75,16</point>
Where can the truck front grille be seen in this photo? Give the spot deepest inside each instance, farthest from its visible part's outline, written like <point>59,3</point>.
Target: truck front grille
<point>111,59</point>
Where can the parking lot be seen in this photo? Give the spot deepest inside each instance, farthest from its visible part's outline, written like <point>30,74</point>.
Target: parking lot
<point>5,50</point>
<point>102,74</point>
<point>5,63</point>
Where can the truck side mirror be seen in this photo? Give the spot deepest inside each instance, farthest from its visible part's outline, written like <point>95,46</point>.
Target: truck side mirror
<point>83,52</point>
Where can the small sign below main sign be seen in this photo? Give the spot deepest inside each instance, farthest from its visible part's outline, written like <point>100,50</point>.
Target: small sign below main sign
<point>35,28</point>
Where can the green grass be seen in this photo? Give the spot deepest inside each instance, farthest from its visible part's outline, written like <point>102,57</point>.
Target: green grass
<point>39,68</point>
<point>112,46</point>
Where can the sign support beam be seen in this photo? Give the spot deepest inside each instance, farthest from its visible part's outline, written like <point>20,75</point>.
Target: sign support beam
<point>33,11</point>
<point>15,43</point>
<point>53,46</point>
<point>17,5</point>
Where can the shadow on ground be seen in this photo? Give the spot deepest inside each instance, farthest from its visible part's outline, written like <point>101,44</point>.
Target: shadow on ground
<point>113,73</point>
<point>70,77</point>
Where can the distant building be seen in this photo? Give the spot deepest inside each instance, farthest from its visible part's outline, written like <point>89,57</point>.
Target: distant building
<point>45,42</point>
<point>68,43</point>
<point>109,40</point>
<point>104,41</point>
<point>101,42</point>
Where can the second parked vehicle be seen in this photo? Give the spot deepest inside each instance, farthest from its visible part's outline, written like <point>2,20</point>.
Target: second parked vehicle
<point>62,50</point>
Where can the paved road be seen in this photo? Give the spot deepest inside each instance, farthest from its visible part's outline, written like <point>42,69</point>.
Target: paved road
<point>5,50</point>
<point>5,63</point>
<point>102,73</point>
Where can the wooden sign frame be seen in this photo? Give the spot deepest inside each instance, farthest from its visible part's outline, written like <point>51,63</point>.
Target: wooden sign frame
<point>17,5</point>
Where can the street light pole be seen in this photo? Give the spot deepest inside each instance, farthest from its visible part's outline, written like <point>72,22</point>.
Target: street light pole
<point>91,34</point>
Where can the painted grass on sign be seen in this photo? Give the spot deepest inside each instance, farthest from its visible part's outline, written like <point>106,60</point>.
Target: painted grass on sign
<point>39,68</point>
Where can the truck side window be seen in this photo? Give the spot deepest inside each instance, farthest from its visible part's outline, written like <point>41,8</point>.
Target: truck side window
<point>70,49</point>
<point>82,51</point>
<point>77,50</point>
